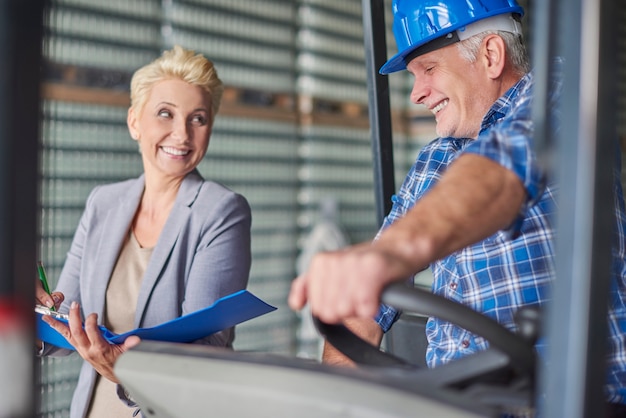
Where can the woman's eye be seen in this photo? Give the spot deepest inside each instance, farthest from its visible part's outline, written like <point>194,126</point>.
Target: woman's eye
<point>199,119</point>
<point>165,113</point>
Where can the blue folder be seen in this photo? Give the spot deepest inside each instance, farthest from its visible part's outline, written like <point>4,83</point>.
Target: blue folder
<point>224,313</point>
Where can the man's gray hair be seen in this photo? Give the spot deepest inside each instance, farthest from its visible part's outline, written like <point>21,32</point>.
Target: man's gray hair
<point>516,51</point>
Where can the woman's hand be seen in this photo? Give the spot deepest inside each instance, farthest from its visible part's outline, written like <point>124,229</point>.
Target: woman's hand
<point>43,298</point>
<point>89,343</point>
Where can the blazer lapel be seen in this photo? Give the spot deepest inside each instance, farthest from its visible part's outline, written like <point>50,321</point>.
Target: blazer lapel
<point>176,220</point>
<point>117,223</point>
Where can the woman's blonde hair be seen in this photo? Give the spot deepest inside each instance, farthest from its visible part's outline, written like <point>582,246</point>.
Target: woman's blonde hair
<point>181,64</point>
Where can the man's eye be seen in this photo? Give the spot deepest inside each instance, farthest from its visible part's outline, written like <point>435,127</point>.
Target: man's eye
<point>429,70</point>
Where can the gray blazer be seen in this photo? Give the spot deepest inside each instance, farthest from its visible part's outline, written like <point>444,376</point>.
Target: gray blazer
<point>203,254</point>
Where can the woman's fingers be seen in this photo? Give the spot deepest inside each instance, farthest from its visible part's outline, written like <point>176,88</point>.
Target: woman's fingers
<point>58,326</point>
<point>43,298</point>
<point>78,337</point>
<point>92,331</point>
<point>131,342</point>
<point>58,299</point>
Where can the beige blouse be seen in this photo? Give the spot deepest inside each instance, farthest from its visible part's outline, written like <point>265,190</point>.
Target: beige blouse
<point>119,317</point>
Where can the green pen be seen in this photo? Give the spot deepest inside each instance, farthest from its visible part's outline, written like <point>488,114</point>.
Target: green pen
<point>44,281</point>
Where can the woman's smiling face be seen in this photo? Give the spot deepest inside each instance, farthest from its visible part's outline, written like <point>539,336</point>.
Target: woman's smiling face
<point>173,128</point>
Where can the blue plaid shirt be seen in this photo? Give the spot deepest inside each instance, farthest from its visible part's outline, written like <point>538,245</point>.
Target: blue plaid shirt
<point>513,267</point>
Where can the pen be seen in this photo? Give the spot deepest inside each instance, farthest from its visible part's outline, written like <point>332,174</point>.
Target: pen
<point>44,281</point>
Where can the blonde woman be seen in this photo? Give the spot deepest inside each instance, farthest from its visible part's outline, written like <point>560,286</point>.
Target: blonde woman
<point>151,249</point>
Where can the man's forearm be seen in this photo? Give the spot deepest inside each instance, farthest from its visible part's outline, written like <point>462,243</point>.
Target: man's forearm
<point>475,198</point>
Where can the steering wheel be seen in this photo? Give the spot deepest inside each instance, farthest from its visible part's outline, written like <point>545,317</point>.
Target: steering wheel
<point>517,347</point>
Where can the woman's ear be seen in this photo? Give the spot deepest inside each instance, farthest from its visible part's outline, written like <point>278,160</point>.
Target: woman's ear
<point>131,121</point>
<point>494,55</point>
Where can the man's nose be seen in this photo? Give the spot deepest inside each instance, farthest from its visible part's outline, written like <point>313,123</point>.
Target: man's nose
<point>420,91</point>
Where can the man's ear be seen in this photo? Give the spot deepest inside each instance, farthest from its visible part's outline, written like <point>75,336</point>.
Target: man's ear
<point>131,122</point>
<point>494,55</point>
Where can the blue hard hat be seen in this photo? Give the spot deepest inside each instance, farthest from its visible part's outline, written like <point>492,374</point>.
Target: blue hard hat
<point>417,23</point>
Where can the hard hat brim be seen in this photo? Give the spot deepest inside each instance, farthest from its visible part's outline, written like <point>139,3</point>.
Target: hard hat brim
<point>400,60</point>
<point>396,63</point>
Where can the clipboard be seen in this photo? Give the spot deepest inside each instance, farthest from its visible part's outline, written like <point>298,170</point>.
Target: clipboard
<point>226,312</point>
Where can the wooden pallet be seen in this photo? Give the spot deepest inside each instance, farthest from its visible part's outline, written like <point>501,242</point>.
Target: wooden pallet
<point>96,86</point>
